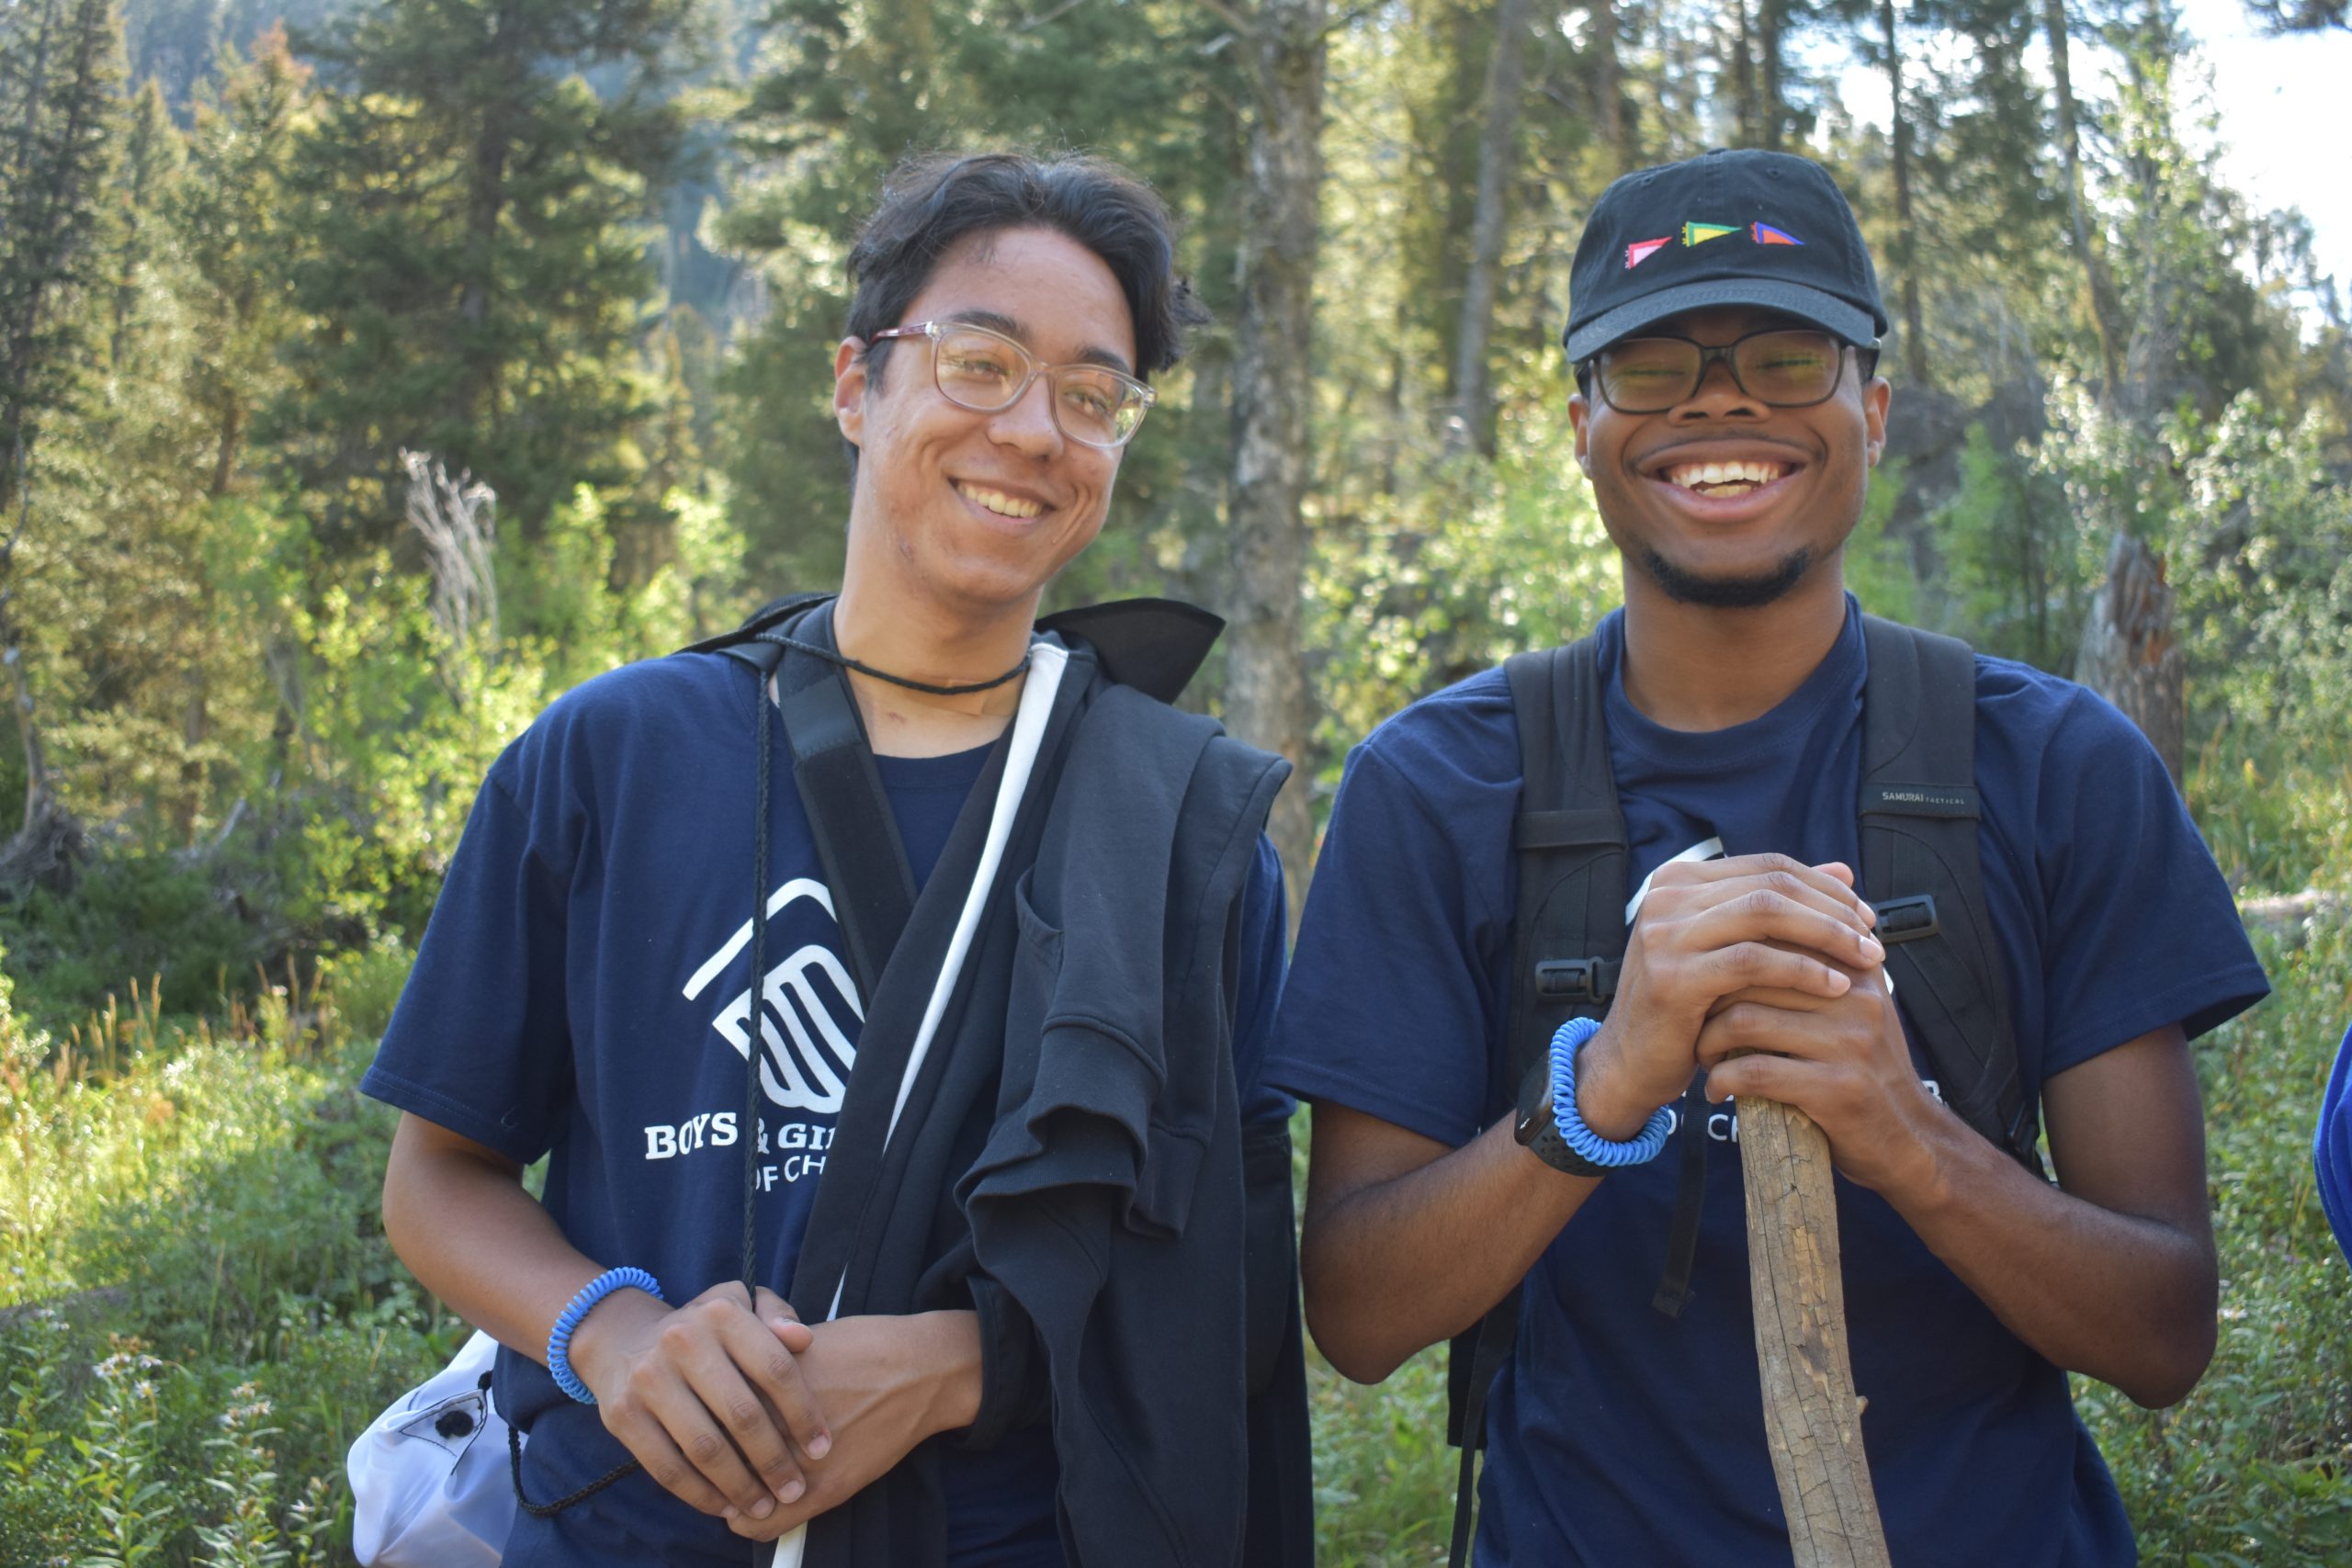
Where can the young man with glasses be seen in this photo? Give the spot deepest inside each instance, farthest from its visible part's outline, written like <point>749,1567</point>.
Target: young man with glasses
<point>888,988</point>
<point>1722,326</point>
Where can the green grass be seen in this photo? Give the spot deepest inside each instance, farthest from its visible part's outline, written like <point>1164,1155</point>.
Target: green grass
<point>197,1310</point>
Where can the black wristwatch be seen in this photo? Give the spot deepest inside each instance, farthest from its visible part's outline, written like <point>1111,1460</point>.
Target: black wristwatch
<point>1540,1132</point>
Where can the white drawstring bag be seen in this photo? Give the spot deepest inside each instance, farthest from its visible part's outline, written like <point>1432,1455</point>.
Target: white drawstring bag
<point>429,1474</point>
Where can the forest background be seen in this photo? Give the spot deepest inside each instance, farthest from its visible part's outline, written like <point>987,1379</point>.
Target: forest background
<point>374,371</point>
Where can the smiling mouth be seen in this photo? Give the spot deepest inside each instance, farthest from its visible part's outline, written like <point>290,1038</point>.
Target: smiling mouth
<point>996,500</point>
<point>1723,479</point>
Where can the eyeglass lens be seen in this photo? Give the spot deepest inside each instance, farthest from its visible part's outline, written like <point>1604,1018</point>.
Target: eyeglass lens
<point>984,372</point>
<point>1783,369</point>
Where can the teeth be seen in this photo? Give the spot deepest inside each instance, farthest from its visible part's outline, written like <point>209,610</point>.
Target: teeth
<point>1702,476</point>
<point>996,500</point>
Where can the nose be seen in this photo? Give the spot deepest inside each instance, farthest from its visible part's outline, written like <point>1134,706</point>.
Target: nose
<point>1028,423</point>
<point>1717,396</point>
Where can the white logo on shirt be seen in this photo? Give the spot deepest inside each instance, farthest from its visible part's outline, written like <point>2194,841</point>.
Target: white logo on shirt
<point>808,1070</point>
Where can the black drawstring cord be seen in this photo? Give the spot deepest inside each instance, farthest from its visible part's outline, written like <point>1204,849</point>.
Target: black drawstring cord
<point>570,1499</point>
<point>754,1042</point>
<point>832,656</point>
<point>755,1022</point>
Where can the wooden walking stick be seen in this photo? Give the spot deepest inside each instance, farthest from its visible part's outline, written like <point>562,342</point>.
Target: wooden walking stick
<point>1812,1417</point>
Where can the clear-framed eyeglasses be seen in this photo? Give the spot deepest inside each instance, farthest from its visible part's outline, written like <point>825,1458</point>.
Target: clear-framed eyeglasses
<point>977,368</point>
<point>1782,368</point>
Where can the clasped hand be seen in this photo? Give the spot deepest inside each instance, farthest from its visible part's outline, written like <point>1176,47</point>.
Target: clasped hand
<point>745,1412</point>
<point>708,1396</point>
<point>1762,972</point>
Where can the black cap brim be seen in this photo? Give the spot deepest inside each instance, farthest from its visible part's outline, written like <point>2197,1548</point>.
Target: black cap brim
<point>1825,310</point>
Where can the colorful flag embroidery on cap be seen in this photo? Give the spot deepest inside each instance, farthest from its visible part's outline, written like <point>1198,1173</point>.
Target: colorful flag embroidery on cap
<point>1767,235</point>
<point>1700,234</point>
<point>1641,251</point>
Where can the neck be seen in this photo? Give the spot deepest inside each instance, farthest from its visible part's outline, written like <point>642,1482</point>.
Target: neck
<point>941,649</point>
<point>1697,668</point>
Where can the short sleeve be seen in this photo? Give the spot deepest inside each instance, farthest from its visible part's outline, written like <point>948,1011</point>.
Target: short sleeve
<point>1258,989</point>
<point>1389,1004</point>
<point>479,1042</point>
<point>2331,1149</point>
<point>2142,930</point>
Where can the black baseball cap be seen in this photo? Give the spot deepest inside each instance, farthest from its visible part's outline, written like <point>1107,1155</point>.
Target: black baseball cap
<point>1726,228</point>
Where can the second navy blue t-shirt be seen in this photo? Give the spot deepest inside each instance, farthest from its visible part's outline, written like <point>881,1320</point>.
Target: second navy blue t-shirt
<point>1617,1434</point>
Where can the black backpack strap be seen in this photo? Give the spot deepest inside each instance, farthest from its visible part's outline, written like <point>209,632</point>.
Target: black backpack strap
<point>1568,942</point>
<point>1569,922</point>
<point>840,790</point>
<point>1920,870</point>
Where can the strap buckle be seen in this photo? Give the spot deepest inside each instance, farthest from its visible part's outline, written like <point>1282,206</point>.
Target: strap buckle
<point>1910,919</point>
<point>1583,979</point>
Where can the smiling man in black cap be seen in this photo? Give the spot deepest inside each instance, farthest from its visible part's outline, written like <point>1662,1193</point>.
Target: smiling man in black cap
<point>1567,909</point>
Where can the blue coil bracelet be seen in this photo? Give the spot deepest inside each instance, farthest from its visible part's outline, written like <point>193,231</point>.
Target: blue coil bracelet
<point>560,1337</point>
<point>1582,1141</point>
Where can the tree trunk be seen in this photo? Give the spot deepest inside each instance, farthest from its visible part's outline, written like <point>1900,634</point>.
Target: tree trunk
<point>1915,337</point>
<point>1265,693</point>
<point>2105,315</point>
<point>2128,654</point>
<point>1743,43</point>
<point>485,205</point>
<point>1776,113</point>
<point>1609,88</point>
<point>228,434</point>
<point>1811,1419</point>
<point>1473,421</point>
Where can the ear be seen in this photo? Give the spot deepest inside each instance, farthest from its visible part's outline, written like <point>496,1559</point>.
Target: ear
<point>1875,399</point>
<point>849,390</point>
<point>1580,417</point>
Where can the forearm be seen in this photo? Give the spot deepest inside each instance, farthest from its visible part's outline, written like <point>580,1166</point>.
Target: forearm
<point>2120,1297</point>
<point>472,1236</point>
<point>1399,1264</point>
<point>943,1353</point>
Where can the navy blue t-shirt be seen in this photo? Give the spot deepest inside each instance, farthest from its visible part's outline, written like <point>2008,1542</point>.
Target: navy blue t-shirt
<point>1617,1434</point>
<point>2331,1147</point>
<point>583,992</point>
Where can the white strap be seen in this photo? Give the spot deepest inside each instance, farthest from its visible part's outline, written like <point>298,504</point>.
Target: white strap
<point>1705,849</point>
<point>1046,662</point>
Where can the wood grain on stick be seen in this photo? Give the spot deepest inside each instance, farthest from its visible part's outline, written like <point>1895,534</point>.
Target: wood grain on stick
<point>1811,1419</point>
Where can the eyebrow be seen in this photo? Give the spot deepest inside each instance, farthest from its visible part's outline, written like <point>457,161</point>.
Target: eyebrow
<point>996,321</point>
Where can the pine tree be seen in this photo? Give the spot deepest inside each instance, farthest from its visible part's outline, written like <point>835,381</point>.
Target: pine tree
<point>473,263</point>
<point>231,218</point>
<point>59,64</point>
<point>135,240</point>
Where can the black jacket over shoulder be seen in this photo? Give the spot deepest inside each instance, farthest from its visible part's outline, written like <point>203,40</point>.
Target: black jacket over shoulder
<point>1071,1161</point>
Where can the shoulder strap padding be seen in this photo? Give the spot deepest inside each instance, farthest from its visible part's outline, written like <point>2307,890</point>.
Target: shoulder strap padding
<point>1569,840</point>
<point>1919,814</point>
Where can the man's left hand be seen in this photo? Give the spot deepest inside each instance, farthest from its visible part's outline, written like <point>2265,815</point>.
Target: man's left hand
<point>1844,1063</point>
<point>886,1384</point>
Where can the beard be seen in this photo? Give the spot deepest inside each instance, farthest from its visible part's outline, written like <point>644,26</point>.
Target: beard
<point>1749,593</point>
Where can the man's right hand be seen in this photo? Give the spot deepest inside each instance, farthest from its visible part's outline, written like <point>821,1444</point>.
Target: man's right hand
<point>1708,931</point>
<point>707,1395</point>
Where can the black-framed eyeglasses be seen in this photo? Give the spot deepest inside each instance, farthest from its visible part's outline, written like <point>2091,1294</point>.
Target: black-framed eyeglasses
<point>977,368</point>
<point>1782,368</point>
